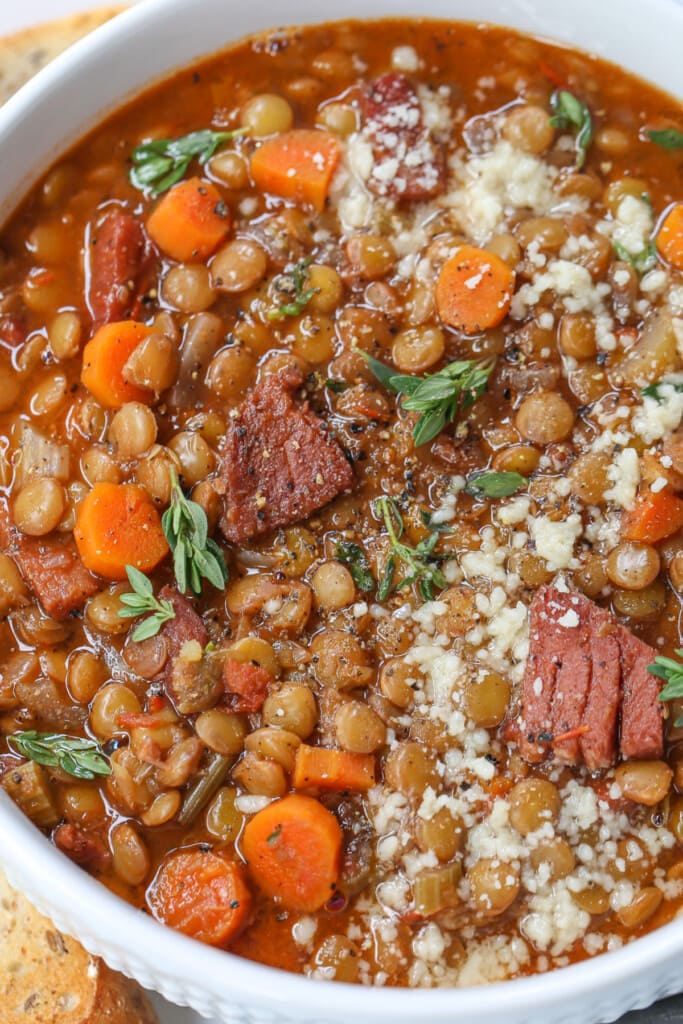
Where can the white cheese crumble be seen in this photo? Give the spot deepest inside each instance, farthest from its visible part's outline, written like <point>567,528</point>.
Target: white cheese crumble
<point>491,186</point>
<point>555,541</point>
<point>405,58</point>
<point>624,475</point>
<point>657,417</point>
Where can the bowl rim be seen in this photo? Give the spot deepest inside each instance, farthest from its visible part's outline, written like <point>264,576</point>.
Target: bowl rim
<point>58,883</point>
<point>186,959</point>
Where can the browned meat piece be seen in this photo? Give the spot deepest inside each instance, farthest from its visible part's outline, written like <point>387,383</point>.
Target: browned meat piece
<point>279,464</point>
<point>52,568</point>
<point>246,685</point>
<point>642,732</point>
<point>192,681</point>
<point>187,624</point>
<point>13,331</point>
<point>598,745</point>
<point>117,257</point>
<point>538,686</point>
<point>571,692</point>
<point>409,163</point>
<point>583,668</point>
<point>84,848</point>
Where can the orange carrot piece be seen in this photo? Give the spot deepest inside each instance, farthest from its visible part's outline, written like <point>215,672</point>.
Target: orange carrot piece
<point>474,290</point>
<point>190,221</point>
<point>292,849</point>
<point>338,770</point>
<point>104,359</point>
<point>571,734</point>
<point>654,517</point>
<point>202,894</point>
<point>297,165</point>
<point>670,237</point>
<point>118,525</point>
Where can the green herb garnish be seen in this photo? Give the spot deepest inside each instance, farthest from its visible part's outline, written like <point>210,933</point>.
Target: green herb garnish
<point>655,390</point>
<point>162,162</point>
<point>293,284</point>
<point>353,555</point>
<point>422,563</point>
<point>141,601</point>
<point>439,397</point>
<point>667,138</point>
<point>337,387</point>
<point>195,555</point>
<point>75,755</point>
<point>488,484</point>
<point>641,261</point>
<point>672,673</point>
<point>570,112</point>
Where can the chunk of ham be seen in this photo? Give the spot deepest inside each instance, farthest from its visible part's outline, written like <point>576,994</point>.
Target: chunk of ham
<point>117,256</point>
<point>586,693</point>
<point>279,464</point>
<point>86,849</point>
<point>51,567</point>
<point>191,679</point>
<point>408,162</point>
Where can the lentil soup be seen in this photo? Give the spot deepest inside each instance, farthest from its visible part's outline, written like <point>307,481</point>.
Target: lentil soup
<point>341,391</point>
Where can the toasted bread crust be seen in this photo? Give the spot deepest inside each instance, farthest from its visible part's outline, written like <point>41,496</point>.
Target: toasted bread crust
<point>48,978</point>
<point>26,52</point>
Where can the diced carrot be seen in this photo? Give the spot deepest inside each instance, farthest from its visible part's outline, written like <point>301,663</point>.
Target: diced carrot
<point>202,894</point>
<point>338,770</point>
<point>297,165</point>
<point>474,290</point>
<point>654,517</point>
<point>118,525</point>
<point>670,237</point>
<point>292,849</point>
<point>246,684</point>
<point>104,359</point>
<point>190,222</point>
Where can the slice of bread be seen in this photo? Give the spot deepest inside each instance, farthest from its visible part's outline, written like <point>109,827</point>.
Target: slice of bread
<point>26,52</point>
<point>48,978</point>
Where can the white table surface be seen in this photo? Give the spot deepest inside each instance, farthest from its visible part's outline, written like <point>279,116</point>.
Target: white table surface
<point>15,15</point>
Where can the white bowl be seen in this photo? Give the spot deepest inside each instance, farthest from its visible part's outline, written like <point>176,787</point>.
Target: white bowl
<point>36,126</point>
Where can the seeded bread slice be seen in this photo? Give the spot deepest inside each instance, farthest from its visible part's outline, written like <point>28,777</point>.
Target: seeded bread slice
<point>26,52</point>
<point>48,978</point>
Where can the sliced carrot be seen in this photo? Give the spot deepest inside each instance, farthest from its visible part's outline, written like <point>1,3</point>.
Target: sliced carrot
<point>571,734</point>
<point>670,237</point>
<point>118,525</point>
<point>654,517</point>
<point>104,359</point>
<point>338,770</point>
<point>474,290</point>
<point>190,222</point>
<point>202,894</point>
<point>292,849</point>
<point>297,165</point>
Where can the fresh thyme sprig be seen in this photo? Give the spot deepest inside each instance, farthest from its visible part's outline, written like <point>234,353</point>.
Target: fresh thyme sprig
<point>75,755</point>
<point>355,558</point>
<point>438,397</point>
<point>423,565</point>
<point>667,138</point>
<point>655,390</point>
<point>672,673</point>
<point>640,261</point>
<point>570,112</point>
<point>195,555</point>
<point>141,601</point>
<point>487,483</point>
<point>292,284</point>
<point>162,162</point>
